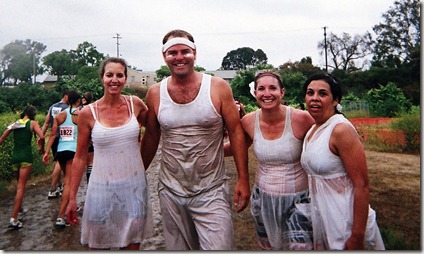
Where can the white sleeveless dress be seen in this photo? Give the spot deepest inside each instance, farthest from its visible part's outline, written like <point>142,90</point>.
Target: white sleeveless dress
<point>116,211</point>
<point>331,192</point>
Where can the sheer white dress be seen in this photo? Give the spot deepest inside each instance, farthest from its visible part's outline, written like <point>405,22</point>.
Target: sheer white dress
<point>116,210</point>
<point>331,192</point>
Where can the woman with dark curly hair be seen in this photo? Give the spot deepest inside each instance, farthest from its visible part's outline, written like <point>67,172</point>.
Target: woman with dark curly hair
<point>334,158</point>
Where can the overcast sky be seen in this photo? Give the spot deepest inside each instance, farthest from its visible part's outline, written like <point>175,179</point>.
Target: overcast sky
<point>286,30</point>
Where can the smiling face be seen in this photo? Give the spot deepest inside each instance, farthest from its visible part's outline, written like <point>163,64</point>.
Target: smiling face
<point>114,78</point>
<point>268,92</point>
<point>320,101</point>
<point>180,59</point>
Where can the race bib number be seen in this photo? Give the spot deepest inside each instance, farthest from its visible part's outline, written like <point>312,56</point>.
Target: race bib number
<point>55,111</point>
<point>67,133</point>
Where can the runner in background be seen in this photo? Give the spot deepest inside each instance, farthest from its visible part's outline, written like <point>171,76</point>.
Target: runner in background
<point>56,187</point>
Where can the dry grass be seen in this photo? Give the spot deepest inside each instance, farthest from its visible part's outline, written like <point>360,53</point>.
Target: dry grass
<point>395,193</point>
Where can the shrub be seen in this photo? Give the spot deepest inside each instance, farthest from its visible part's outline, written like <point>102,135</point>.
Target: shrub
<point>409,123</point>
<point>387,101</point>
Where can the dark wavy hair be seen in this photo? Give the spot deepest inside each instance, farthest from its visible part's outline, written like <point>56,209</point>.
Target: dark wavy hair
<point>88,97</point>
<point>332,81</point>
<point>29,111</point>
<point>73,97</point>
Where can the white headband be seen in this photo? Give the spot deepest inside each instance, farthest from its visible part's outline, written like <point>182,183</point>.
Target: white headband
<point>178,40</point>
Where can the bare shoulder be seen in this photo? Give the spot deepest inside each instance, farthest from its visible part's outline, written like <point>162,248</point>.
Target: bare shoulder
<point>219,83</point>
<point>302,116</point>
<point>248,123</point>
<point>221,88</point>
<point>344,135</point>
<point>302,121</point>
<point>137,100</point>
<point>85,112</point>
<point>61,116</point>
<point>344,130</point>
<point>139,103</point>
<point>153,90</point>
<point>249,117</point>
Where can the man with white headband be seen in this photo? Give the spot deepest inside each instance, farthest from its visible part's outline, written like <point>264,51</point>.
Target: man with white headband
<point>189,110</point>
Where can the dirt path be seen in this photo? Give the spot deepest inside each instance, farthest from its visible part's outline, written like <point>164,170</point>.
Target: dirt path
<point>39,232</point>
<point>393,177</point>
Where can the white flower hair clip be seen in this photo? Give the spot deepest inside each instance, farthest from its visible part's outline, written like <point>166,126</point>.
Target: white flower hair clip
<point>252,88</point>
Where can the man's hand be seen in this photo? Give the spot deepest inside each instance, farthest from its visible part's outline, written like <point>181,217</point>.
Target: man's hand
<point>241,195</point>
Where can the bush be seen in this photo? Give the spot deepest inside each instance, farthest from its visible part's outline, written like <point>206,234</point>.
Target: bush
<point>387,101</point>
<point>409,123</point>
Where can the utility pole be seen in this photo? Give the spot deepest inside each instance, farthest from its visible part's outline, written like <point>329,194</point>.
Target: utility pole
<point>117,44</point>
<point>325,48</point>
<point>34,65</point>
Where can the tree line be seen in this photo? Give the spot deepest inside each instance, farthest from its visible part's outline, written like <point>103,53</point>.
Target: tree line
<point>395,59</point>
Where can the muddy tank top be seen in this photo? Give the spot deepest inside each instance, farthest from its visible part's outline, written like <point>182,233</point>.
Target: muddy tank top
<point>192,143</point>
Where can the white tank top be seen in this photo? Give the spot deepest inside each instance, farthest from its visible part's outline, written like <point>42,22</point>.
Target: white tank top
<point>279,170</point>
<point>192,143</point>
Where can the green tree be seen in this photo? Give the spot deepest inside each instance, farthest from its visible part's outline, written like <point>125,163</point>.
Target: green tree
<point>240,86</point>
<point>293,85</point>
<point>69,63</point>
<point>399,35</point>
<point>59,63</point>
<point>199,68</point>
<point>265,67</point>
<point>345,51</point>
<point>19,60</point>
<point>162,72</point>
<point>387,101</point>
<point>243,59</point>
<point>87,55</point>
<point>17,98</point>
<point>305,66</point>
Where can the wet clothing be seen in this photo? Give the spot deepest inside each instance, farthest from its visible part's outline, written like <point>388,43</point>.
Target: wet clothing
<point>117,210</point>
<point>199,222</point>
<point>281,186</point>
<point>192,165</point>
<point>22,151</point>
<point>331,192</point>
